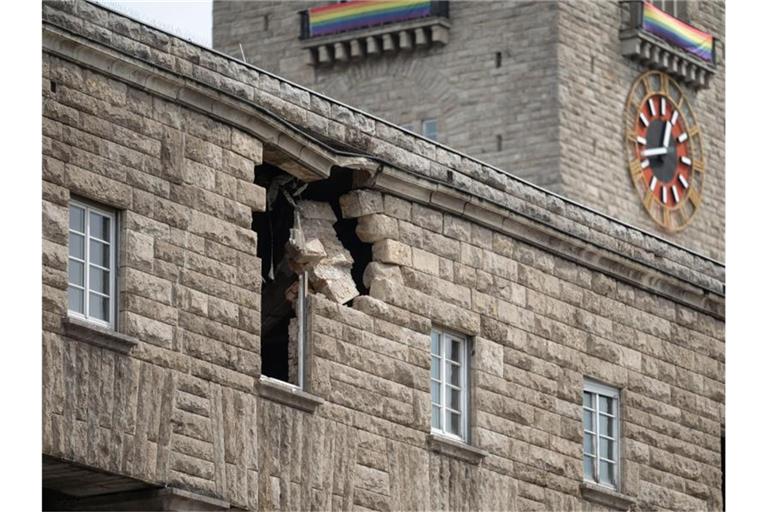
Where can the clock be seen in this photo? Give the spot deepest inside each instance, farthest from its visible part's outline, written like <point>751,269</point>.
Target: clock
<point>664,150</point>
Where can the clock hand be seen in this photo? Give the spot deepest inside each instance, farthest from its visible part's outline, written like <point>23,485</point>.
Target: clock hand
<point>661,150</point>
<point>667,133</point>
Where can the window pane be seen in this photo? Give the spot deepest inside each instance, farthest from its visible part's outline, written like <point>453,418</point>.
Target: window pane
<point>77,246</point>
<point>454,374</point>
<point>100,226</point>
<point>435,342</point>
<point>589,468</point>
<point>99,254</point>
<point>98,280</point>
<point>454,420</point>
<point>607,473</point>
<point>588,400</point>
<point>606,448</point>
<point>606,404</point>
<point>455,399</point>
<point>589,444</point>
<point>77,218</point>
<point>606,426</point>
<point>589,418</point>
<point>76,272</point>
<point>76,300</point>
<point>455,353</point>
<point>435,368</point>
<point>435,416</point>
<point>436,392</point>
<point>98,307</point>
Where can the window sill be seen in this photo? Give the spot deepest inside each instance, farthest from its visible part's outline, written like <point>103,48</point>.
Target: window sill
<point>98,335</point>
<point>287,394</point>
<point>605,496</point>
<point>456,449</point>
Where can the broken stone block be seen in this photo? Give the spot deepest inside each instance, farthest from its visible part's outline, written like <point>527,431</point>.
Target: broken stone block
<point>330,274</point>
<point>376,270</point>
<point>391,251</point>
<point>375,227</point>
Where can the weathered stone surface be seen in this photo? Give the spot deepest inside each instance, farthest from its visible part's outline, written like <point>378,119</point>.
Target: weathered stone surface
<point>181,408</point>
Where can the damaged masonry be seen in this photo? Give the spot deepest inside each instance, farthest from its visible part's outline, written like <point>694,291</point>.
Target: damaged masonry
<point>306,247</point>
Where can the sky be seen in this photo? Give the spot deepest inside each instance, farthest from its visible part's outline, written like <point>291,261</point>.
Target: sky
<point>186,19</point>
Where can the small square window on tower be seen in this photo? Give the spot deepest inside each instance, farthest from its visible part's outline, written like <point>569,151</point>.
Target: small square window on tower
<point>450,385</point>
<point>429,128</point>
<point>91,264</point>
<point>601,434</point>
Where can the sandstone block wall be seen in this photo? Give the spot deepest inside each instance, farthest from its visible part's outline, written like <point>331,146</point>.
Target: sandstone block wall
<point>182,408</point>
<point>556,101</point>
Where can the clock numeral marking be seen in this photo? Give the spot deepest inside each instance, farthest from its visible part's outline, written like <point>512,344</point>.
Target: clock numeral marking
<point>674,118</point>
<point>665,84</point>
<point>653,184</point>
<point>642,140</point>
<point>685,160</point>
<point>636,169</point>
<point>682,138</point>
<point>675,194</point>
<point>643,119</point>
<point>694,197</point>
<point>647,84</point>
<point>648,200</point>
<point>698,166</point>
<point>663,106</point>
<point>693,132</point>
<point>666,220</point>
<point>683,181</point>
<point>645,163</point>
<point>664,194</point>
<point>652,106</point>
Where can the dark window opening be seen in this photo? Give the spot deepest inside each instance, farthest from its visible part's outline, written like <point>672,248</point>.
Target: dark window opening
<point>53,86</point>
<point>498,59</point>
<point>279,281</point>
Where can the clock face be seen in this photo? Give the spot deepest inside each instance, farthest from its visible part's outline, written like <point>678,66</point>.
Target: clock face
<point>664,150</point>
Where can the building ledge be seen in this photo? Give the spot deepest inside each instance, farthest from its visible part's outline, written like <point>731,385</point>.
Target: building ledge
<point>456,449</point>
<point>606,497</point>
<point>655,53</point>
<point>287,394</point>
<point>98,335</point>
<point>371,42</point>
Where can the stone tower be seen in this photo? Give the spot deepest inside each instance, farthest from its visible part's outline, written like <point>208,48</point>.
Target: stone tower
<point>535,88</point>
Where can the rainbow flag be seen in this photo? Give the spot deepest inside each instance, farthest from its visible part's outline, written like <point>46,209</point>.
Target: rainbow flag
<point>676,32</point>
<point>333,18</point>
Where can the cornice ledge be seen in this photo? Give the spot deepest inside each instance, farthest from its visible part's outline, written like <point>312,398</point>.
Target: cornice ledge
<point>582,250</point>
<point>288,148</point>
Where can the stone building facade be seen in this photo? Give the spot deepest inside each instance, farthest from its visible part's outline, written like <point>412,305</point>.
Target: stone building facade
<point>535,87</point>
<point>221,179</point>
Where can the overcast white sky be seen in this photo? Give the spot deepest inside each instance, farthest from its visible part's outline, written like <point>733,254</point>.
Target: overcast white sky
<point>190,19</point>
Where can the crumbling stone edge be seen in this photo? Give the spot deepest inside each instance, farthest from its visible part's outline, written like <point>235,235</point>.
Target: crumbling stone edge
<point>456,449</point>
<point>97,335</point>
<point>607,497</point>
<point>287,394</point>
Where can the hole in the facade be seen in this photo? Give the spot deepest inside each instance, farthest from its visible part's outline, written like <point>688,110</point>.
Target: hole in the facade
<point>498,59</point>
<point>498,142</point>
<point>53,86</point>
<point>266,22</point>
<point>305,247</point>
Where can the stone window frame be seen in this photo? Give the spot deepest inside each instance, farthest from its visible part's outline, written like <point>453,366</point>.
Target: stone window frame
<point>676,8</point>
<point>465,383</point>
<point>114,248</point>
<point>597,389</point>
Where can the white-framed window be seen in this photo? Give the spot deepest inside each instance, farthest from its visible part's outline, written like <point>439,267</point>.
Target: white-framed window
<point>429,128</point>
<point>91,263</point>
<point>450,384</point>
<point>601,434</point>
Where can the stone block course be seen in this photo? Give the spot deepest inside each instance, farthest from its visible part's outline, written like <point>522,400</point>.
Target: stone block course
<point>182,405</point>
